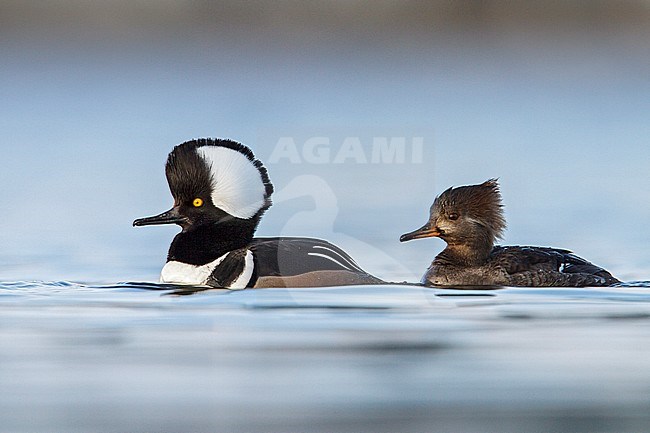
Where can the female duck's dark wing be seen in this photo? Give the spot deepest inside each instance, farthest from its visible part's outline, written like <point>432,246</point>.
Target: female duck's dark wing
<point>290,256</point>
<point>542,266</point>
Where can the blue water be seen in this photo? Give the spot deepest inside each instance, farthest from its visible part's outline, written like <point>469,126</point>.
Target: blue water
<point>142,357</point>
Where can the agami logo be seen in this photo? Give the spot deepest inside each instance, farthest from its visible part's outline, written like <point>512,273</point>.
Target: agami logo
<point>355,150</point>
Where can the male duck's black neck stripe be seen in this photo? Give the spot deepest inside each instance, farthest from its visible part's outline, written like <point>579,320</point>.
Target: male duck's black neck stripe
<point>230,269</point>
<point>209,242</point>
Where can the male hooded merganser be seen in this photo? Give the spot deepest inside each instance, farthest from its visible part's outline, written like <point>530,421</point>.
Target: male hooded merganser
<point>220,193</point>
<point>469,219</point>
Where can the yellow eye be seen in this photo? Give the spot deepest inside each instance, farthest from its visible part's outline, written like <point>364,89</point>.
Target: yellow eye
<point>197,202</point>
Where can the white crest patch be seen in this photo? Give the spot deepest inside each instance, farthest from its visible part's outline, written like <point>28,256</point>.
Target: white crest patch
<point>237,185</point>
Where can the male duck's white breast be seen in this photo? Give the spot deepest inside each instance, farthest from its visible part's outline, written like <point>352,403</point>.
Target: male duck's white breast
<point>183,273</point>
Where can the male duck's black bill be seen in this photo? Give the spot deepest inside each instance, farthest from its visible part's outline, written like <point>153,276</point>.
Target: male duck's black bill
<point>170,217</point>
<point>423,232</point>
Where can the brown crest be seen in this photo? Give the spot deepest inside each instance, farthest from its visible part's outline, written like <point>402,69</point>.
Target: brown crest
<point>481,203</point>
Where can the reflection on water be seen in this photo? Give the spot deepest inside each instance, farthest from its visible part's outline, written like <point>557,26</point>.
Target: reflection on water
<point>137,357</point>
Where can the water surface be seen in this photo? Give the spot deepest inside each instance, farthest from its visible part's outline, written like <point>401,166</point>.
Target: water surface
<point>139,357</point>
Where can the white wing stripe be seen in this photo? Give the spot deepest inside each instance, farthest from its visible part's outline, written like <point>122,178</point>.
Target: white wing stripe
<point>329,258</point>
<point>242,281</point>
<point>350,263</point>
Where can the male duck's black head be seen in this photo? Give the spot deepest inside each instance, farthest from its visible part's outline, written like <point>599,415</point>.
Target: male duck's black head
<point>465,215</point>
<point>220,192</point>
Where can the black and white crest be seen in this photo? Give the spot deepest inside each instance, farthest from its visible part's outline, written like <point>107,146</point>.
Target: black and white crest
<point>225,171</point>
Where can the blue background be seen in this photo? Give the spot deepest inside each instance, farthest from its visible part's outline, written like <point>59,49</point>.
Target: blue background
<point>552,99</point>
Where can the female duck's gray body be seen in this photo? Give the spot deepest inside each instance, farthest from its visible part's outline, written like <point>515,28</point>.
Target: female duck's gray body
<point>469,219</point>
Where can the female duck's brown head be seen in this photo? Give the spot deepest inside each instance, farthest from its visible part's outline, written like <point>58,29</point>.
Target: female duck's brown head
<point>465,215</point>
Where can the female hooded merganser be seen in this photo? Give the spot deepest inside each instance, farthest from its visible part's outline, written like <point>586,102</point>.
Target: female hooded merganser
<point>220,193</point>
<point>469,219</point>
